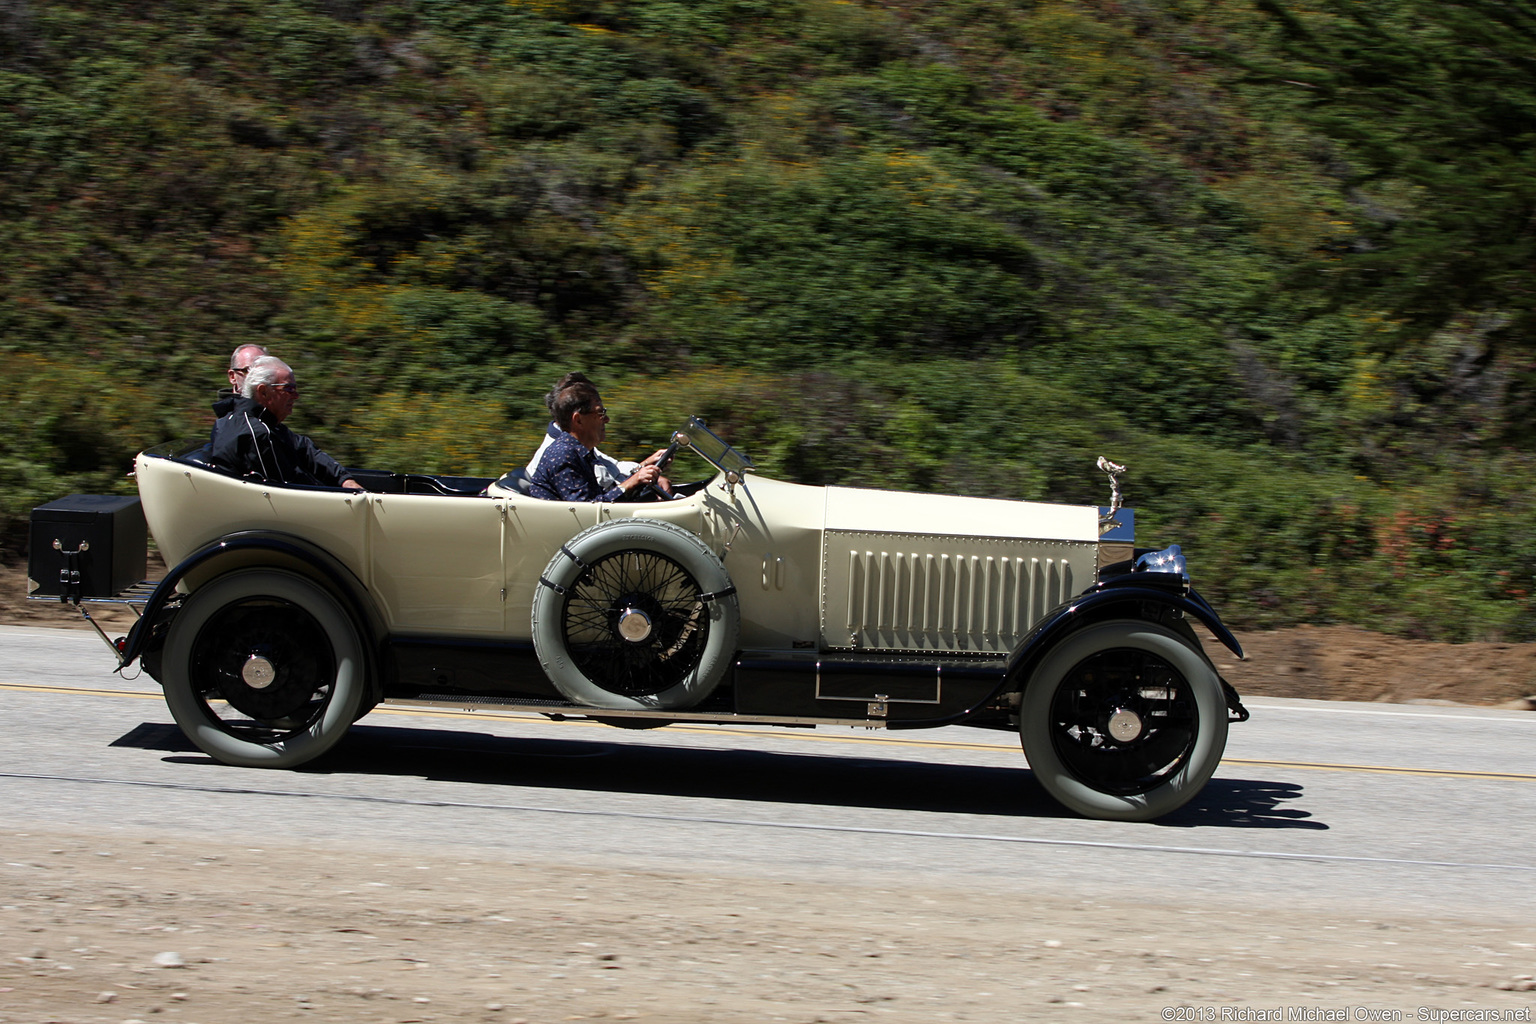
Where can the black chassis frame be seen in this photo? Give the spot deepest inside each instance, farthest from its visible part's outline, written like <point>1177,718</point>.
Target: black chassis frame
<point>894,690</point>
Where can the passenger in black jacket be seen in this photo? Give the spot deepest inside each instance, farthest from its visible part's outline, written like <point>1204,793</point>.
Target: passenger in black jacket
<point>250,440</point>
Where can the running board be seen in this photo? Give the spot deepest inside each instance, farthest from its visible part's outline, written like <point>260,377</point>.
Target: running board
<point>561,711</point>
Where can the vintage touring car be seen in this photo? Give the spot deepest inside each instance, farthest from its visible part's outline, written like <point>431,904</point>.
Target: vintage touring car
<point>289,612</point>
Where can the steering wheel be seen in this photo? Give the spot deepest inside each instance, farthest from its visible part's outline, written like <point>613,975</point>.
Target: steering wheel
<point>661,464</point>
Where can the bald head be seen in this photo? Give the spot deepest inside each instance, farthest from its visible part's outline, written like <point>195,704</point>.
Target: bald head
<point>240,363</point>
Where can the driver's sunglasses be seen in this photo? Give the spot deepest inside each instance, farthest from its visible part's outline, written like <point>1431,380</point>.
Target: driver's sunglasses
<point>241,369</point>
<point>599,411</point>
<point>291,389</point>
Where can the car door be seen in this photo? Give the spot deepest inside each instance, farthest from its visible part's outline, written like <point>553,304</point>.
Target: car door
<point>437,565</point>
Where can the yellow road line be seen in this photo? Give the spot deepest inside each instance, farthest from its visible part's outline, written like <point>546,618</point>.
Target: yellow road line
<point>1439,773</point>
<point>885,740</point>
<point>79,691</point>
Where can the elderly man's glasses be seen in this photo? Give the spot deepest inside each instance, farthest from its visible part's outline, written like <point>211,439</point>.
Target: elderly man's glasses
<point>291,389</point>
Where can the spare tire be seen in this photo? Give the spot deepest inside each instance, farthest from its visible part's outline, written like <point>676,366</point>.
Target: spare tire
<point>635,614</point>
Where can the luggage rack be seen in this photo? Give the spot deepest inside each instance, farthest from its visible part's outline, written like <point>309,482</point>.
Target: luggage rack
<point>135,596</point>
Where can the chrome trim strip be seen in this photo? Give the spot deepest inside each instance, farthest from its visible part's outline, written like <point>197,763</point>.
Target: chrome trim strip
<point>938,690</point>
<point>562,711</point>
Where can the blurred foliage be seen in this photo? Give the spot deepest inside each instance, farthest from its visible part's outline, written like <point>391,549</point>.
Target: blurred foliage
<point>1274,257</point>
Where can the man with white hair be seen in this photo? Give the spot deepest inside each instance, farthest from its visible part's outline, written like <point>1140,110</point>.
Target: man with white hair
<point>250,440</point>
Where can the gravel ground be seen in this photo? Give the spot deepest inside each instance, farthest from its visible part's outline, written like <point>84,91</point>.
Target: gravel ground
<point>157,928</point>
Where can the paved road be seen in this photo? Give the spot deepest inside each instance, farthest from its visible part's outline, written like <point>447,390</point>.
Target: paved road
<point>1349,806</point>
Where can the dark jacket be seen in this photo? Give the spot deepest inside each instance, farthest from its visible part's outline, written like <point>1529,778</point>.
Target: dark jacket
<point>248,441</point>
<point>565,473</point>
<point>221,406</point>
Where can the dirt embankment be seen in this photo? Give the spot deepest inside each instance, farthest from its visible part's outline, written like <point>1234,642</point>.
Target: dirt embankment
<point>1317,662</point>
<point>1347,663</point>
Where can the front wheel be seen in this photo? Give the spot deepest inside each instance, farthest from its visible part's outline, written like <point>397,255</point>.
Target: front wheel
<point>1123,721</point>
<point>263,669</point>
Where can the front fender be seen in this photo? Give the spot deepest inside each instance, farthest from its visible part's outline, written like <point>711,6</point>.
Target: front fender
<point>1115,596</point>
<point>248,548</point>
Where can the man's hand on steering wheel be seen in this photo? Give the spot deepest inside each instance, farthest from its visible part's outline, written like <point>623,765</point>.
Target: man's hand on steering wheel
<point>661,456</point>
<point>660,486</point>
<point>645,476</point>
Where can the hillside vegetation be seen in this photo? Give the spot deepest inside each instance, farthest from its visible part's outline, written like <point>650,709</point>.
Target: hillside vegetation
<point>1276,257</point>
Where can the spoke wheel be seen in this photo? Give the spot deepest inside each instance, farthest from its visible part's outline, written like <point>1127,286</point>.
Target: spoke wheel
<point>264,669</point>
<point>635,614</point>
<point>1123,720</point>
<point>635,624</point>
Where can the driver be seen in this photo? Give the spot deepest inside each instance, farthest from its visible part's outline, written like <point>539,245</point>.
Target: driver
<point>608,470</point>
<point>565,471</point>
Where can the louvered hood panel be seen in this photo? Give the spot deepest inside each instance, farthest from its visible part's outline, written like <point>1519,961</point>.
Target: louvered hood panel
<point>934,593</point>
<point>922,572</point>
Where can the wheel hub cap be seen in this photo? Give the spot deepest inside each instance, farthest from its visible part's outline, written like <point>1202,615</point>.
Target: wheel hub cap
<point>258,673</point>
<point>634,625</point>
<point>1125,725</point>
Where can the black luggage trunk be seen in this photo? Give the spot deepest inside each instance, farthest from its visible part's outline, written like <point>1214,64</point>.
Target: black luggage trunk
<point>86,545</point>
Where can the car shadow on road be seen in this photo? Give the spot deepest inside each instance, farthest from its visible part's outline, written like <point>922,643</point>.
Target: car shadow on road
<point>660,769</point>
<point>1244,803</point>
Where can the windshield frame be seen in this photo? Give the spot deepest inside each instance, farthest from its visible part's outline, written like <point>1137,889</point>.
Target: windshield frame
<point>697,436</point>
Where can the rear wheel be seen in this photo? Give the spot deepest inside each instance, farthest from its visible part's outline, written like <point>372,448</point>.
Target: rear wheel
<point>1124,721</point>
<point>263,669</point>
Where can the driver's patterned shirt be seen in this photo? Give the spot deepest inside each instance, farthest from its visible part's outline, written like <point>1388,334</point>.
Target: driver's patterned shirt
<point>565,473</point>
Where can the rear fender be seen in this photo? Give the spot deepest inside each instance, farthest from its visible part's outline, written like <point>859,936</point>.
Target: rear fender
<point>249,549</point>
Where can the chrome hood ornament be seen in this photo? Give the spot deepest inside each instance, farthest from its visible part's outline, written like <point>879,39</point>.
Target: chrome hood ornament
<point>1107,519</point>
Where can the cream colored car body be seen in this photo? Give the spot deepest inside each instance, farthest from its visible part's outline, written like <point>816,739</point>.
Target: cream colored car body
<point>830,568</point>
<point>288,612</point>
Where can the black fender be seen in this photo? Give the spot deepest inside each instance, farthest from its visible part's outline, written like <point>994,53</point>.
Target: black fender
<point>1133,596</point>
<point>1151,596</point>
<point>237,548</point>
<point>1109,595</point>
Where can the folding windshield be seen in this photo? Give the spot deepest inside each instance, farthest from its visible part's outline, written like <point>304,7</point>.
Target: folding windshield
<point>713,450</point>
<point>180,449</point>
